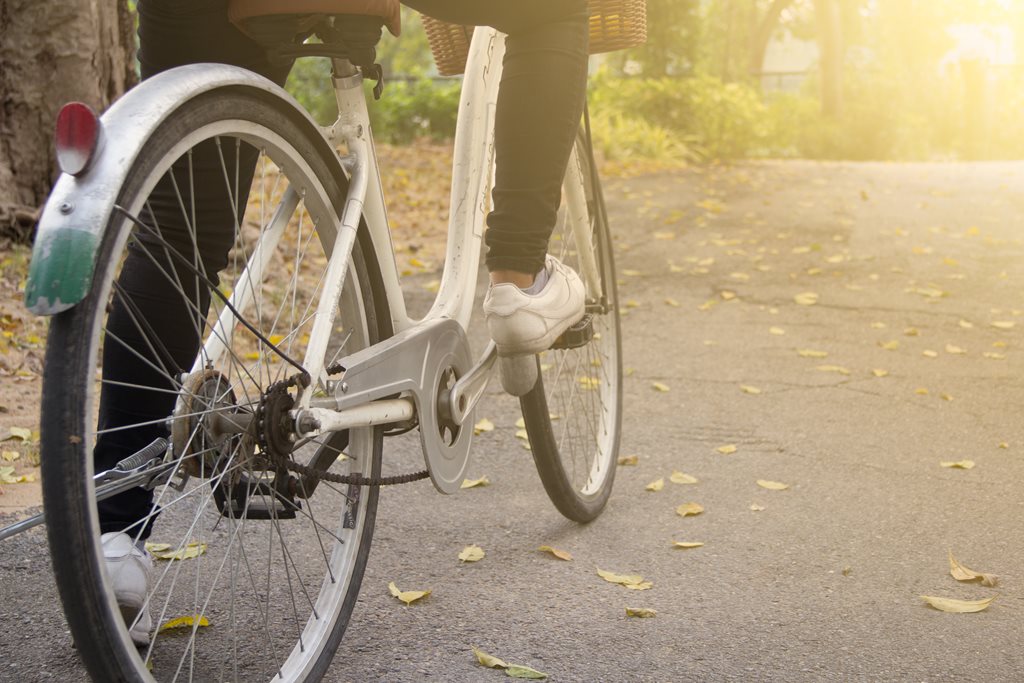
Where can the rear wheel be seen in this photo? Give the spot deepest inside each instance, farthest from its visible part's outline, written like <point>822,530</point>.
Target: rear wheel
<point>573,414</point>
<point>263,562</point>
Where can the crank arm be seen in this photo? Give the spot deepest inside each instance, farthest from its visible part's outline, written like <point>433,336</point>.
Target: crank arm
<point>468,391</point>
<point>141,469</point>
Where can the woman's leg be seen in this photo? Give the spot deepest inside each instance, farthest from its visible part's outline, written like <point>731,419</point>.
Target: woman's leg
<point>172,33</point>
<point>540,103</point>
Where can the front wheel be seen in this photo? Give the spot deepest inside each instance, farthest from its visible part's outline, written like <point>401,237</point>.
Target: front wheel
<point>257,564</point>
<point>573,415</point>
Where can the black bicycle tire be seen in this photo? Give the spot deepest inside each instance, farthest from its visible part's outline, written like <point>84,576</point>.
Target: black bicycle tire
<point>97,629</point>
<point>570,502</point>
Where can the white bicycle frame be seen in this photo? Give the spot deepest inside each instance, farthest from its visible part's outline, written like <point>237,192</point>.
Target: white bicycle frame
<point>450,313</point>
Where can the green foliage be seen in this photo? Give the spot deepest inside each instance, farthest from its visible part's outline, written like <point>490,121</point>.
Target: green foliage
<point>415,109</point>
<point>714,120</point>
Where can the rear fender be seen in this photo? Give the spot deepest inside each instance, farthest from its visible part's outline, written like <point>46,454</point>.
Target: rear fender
<point>79,208</point>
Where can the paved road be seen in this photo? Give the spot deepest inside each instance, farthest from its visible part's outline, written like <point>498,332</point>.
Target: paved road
<point>823,583</point>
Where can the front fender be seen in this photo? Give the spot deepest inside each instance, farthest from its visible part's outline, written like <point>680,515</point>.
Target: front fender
<point>79,208</point>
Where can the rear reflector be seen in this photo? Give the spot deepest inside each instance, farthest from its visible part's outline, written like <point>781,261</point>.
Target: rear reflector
<point>77,136</point>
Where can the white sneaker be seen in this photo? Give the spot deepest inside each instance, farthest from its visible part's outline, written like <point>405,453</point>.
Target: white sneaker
<point>129,568</point>
<point>522,323</point>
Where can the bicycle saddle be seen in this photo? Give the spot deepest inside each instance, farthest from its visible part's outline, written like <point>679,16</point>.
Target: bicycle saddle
<point>239,11</point>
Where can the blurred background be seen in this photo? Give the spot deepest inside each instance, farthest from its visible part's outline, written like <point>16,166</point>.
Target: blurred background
<point>732,79</point>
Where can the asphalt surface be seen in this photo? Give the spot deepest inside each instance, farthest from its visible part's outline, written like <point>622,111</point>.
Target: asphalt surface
<point>823,582</point>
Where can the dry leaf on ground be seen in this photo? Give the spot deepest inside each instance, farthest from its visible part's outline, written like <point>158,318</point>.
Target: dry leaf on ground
<point>689,509</point>
<point>560,554</point>
<point>472,553</point>
<point>681,478</point>
<point>656,485</point>
<point>482,426</point>
<point>962,573</point>
<point>472,483</point>
<point>629,460</point>
<point>632,581</point>
<point>686,545</point>
<point>747,389</point>
<point>408,597</point>
<point>520,671</point>
<point>772,485</point>
<point>728,449</point>
<point>183,622</point>
<point>957,606</point>
<point>162,551</point>
<point>806,298</point>
<point>489,661</point>
<point>659,386</point>
<point>640,612</point>
<point>959,464</point>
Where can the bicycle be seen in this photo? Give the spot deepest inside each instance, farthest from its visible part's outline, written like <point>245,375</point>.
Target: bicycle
<point>278,425</point>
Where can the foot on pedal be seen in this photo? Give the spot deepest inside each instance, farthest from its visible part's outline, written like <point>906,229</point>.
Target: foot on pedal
<point>580,334</point>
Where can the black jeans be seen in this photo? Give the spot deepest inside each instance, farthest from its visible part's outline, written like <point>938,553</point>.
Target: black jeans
<point>539,108</point>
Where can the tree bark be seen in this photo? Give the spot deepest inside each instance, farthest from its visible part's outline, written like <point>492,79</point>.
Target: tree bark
<point>763,34</point>
<point>830,41</point>
<point>52,53</point>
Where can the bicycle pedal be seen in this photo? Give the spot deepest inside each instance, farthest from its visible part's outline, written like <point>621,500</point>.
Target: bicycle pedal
<point>576,336</point>
<point>518,374</point>
<point>254,500</point>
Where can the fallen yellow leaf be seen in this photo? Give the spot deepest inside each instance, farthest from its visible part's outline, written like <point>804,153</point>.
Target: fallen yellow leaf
<point>525,672</point>
<point>747,389</point>
<point>921,391</point>
<point>629,460</point>
<point>21,433</point>
<point>811,353</point>
<point>957,606</point>
<point>689,509</point>
<point>472,553</point>
<point>777,331</point>
<point>956,350</point>
<point>489,661</point>
<point>656,485</point>
<point>930,354</point>
<point>560,554</point>
<point>728,449</point>
<point>162,551</point>
<point>1003,445</point>
<point>183,622</point>
<point>806,299</point>
<point>756,508</point>
<point>772,485</point>
<point>482,426</point>
<point>890,345</point>
<point>10,456</point>
<point>408,597</point>
<point>659,386</point>
<point>999,324</point>
<point>472,483</point>
<point>634,581</point>
<point>834,368</point>
<point>880,373</point>
<point>687,544</point>
<point>959,464</point>
<point>962,573</point>
<point>640,612</point>
<point>680,478</point>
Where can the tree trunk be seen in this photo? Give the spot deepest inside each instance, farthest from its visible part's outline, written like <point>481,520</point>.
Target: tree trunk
<point>830,41</point>
<point>52,53</point>
<point>763,34</point>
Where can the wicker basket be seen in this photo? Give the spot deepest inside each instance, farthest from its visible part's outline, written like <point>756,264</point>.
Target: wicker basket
<point>614,25</point>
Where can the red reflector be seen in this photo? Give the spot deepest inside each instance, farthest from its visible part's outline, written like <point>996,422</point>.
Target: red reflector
<point>78,132</point>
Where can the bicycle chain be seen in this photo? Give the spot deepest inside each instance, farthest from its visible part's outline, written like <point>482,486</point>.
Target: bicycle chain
<point>276,390</point>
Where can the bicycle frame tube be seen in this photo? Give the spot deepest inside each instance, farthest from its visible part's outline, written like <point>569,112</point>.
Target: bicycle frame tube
<point>472,173</point>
